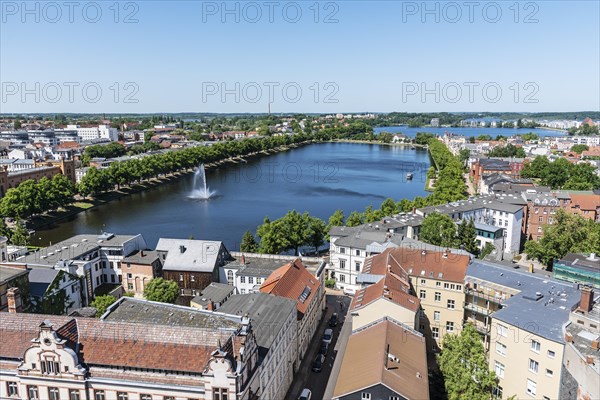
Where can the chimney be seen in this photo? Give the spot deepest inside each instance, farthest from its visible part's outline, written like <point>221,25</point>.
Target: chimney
<point>589,359</point>
<point>587,299</point>
<point>210,306</point>
<point>243,259</point>
<point>182,249</point>
<point>595,345</point>
<point>568,337</point>
<point>142,253</point>
<point>15,304</point>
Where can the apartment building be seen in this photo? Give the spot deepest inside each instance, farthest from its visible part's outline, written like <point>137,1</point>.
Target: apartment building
<point>541,210</point>
<point>193,264</point>
<point>95,259</point>
<point>522,313</point>
<point>582,357</point>
<point>95,132</point>
<point>138,350</point>
<point>350,246</point>
<point>274,320</point>
<point>383,360</point>
<point>295,282</point>
<point>139,268</point>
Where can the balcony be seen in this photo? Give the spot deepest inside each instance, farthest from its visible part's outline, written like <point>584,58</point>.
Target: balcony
<point>479,326</point>
<point>481,295</point>
<point>477,309</point>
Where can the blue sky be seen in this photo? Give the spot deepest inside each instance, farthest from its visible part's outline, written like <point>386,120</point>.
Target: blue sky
<point>158,56</point>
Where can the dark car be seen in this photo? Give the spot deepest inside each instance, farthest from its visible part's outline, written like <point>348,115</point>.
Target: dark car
<point>318,363</point>
<point>333,321</point>
<point>324,347</point>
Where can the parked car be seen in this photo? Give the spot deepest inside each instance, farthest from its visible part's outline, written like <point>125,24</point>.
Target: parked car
<point>318,363</point>
<point>328,335</point>
<point>305,395</point>
<point>333,321</point>
<point>324,347</point>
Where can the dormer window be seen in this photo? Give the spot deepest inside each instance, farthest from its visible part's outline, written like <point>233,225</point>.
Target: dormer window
<point>49,366</point>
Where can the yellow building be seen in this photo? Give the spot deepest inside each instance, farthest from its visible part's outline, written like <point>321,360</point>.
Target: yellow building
<point>523,325</point>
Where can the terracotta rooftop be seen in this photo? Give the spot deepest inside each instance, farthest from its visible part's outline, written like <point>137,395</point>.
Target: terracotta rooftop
<point>585,201</point>
<point>447,266</point>
<point>368,361</point>
<point>294,282</point>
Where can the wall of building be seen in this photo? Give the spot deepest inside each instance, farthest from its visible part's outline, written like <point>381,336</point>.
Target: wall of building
<point>516,360</point>
<point>380,308</point>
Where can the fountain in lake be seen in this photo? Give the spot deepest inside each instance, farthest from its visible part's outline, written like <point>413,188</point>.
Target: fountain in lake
<point>200,190</point>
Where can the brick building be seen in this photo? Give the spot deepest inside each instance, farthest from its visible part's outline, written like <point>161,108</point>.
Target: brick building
<point>41,169</point>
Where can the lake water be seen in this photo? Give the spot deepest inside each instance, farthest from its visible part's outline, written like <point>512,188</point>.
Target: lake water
<point>319,178</point>
<point>493,132</point>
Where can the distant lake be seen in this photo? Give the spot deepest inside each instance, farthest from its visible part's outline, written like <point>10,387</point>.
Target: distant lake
<point>318,178</point>
<point>493,132</point>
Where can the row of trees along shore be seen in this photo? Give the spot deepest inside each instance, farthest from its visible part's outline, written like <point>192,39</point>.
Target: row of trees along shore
<point>295,230</point>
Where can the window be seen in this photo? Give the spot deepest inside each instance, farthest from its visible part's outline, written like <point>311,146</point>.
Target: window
<point>242,279</point>
<point>549,372</point>
<point>342,250</point>
<point>531,387</point>
<point>53,393</point>
<point>122,396</point>
<point>170,398</point>
<point>129,276</point>
<point>422,294</point>
<point>551,354</point>
<point>451,304</point>
<point>342,278</point>
<point>438,284</point>
<point>497,393</point>
<point>500,348</point>
<point>251,280</point>
<point>446,285</point>
<point>12,389</point>
<point>423,281</point>
<point>533,365</point>
<point>99,394</point>
<point>357,252</point>
<point>144,396</point>
<point>342,264</point>
<point>230,277</point>
<point>436,315</point>
<point>365,396</point>
<point>449,326</point>
<point>459,287</point>
<point>32,393</point>
<point>535,346</point>
<point>193,278</point>
<point>357,266</point>
<point>49,366</point>
<point>259,280</point>
<point>394,398</point>
<point>243,291</point>
<point>502,330</point>
<point>435,333</point>
<point>130,286</point>
<point>73,394</point>
<point>499,369</point>
<point>438,296</point>
<point>219,394</point>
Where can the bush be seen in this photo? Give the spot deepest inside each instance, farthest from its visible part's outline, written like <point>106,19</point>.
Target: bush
<point>330,283</point>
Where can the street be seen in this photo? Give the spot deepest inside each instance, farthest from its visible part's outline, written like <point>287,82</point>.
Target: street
<point>305,377</point>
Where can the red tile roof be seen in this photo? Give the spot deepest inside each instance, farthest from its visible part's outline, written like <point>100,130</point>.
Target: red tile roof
<point>291,281</point>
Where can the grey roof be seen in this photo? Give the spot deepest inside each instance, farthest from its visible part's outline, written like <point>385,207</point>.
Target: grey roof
<point>488,228</point>
<point>40,278</point>
<point>8,273</point>
<point>495,164</point>
<point>137,258</point>
<point>73,248</point>
<point>254,266</point>
<point>190,255</point>
<point>516,188</point>
<point>215,292</point>
<point>149,312</point>
<point>267,313</point>
<point>362,235</point>
<point>543,317</point>
<point>506,203</point>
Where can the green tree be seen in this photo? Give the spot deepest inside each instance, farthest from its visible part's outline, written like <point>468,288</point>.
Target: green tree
<point>354,219</point>
<point>336,219</point>
<point>389,207</point>
<point>568,234</point>
<point>464,155</point>
<point>438,229</point>
<point>20,234</point>
<point>248,244</point>
<point>579,148</point>
<point>386,137</point>
<point>487,249</point>
<point>101,303</point>
<point>162,290</point>
<point>464,366</point>
<point>467,236</point>
<point>317,231</point>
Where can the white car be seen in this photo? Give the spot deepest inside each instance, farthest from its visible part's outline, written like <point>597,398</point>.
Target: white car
<point>305,395</point>
<point>349,291</point>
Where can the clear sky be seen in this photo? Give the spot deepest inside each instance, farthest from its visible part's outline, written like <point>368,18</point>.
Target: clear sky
<point>305,56</point>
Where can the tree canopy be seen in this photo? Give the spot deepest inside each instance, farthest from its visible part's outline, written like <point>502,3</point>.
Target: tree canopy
<point>101,303</point>
<point>162,290</point>
<point>464,366</point>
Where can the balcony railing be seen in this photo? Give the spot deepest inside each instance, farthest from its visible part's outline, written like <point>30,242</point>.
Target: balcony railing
<point>481,295</point>
<point>477,309</point>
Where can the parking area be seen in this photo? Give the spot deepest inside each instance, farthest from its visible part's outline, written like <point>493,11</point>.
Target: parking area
<point>305,377</point>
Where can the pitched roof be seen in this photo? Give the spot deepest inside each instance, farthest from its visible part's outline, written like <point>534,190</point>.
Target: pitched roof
<point>368,361</point>
<point>585,201</point>
<point>190,255</point>
<point>294,282</point>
